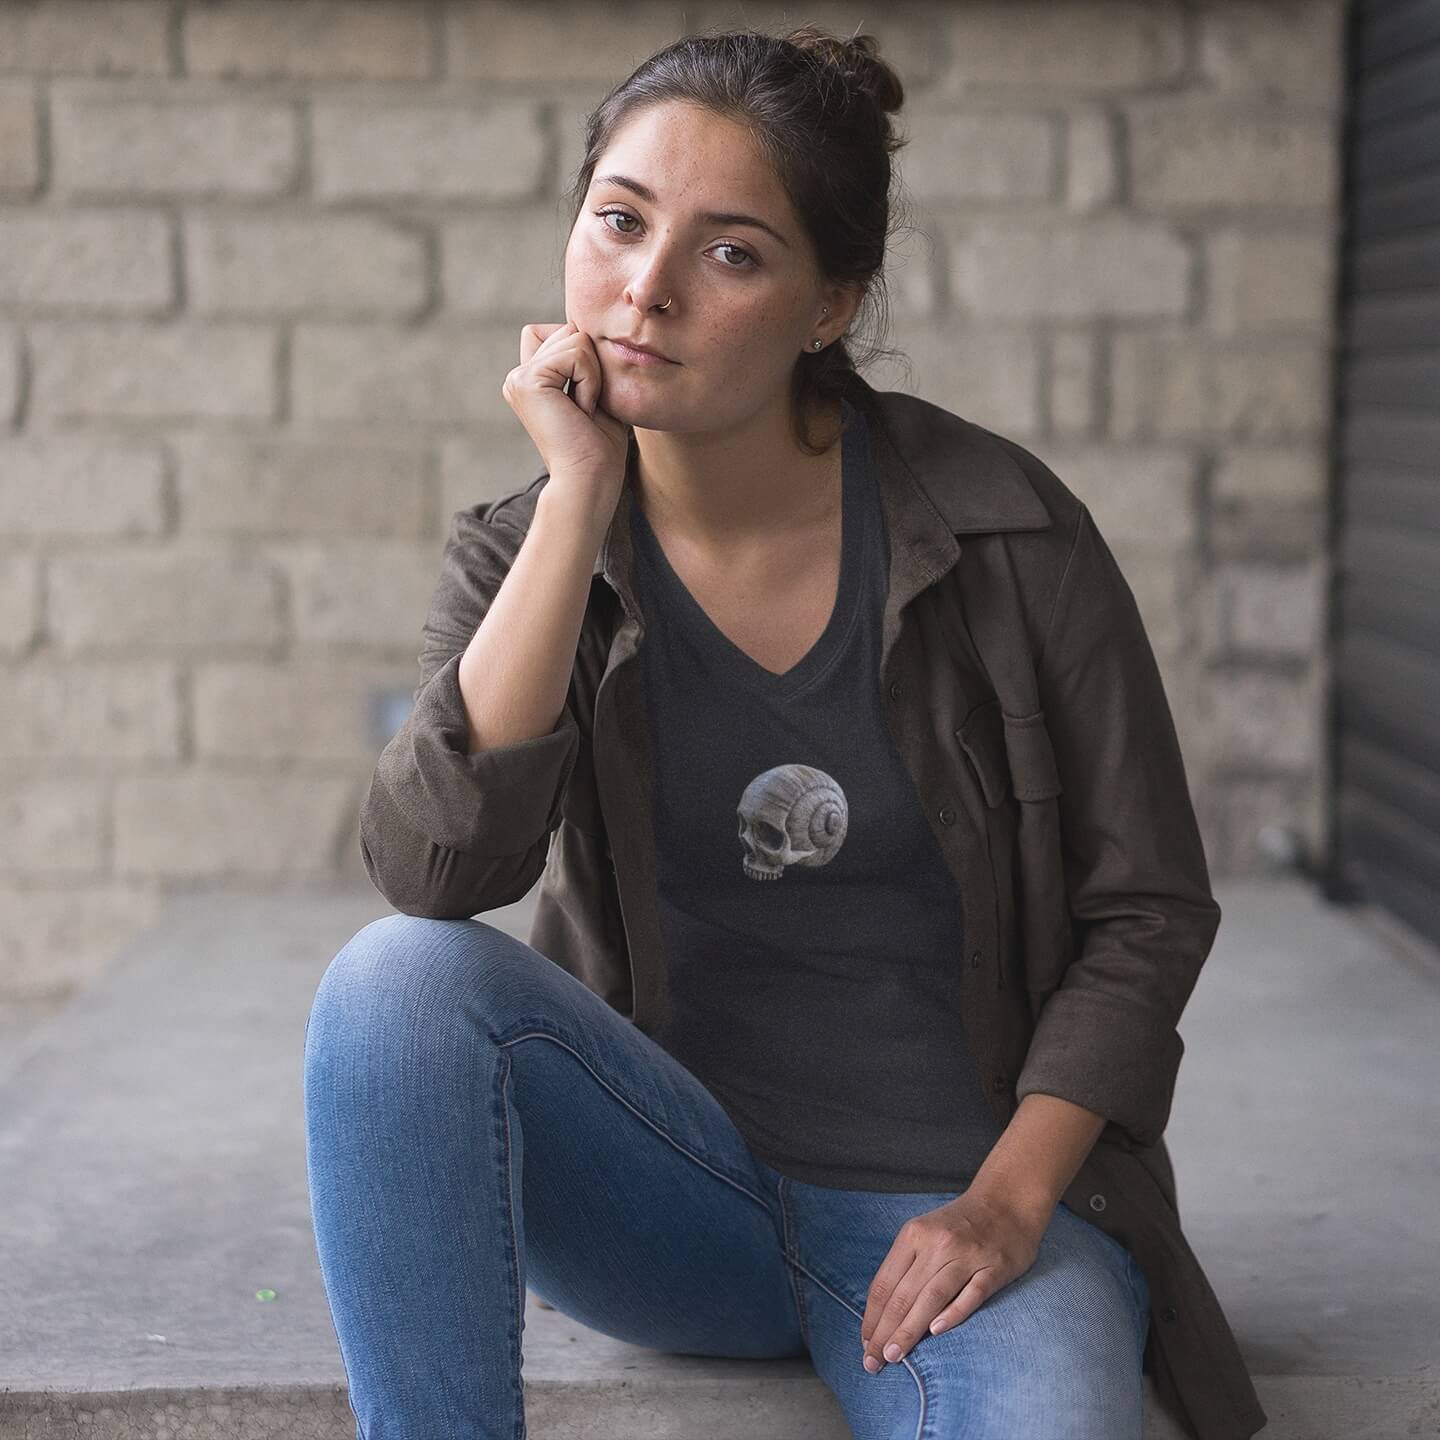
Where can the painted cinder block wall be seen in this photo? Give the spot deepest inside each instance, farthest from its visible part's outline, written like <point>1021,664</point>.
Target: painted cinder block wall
<point>262,272</point>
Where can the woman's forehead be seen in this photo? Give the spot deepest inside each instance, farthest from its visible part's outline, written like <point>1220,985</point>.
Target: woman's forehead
<point>687,154</point>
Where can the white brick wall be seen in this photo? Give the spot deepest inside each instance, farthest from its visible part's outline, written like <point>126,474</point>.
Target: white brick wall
<point>185,369</point>
<point>19,139</point>
<point>342,265</point>
<point>192,142</point>
<point>262,268</point>
<point>436,151</point>
<point>86,261</point>
<point>85,37</point>
<point>313,41</point>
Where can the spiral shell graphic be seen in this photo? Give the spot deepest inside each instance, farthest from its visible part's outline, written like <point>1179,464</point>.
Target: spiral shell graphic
<point>791,815</point>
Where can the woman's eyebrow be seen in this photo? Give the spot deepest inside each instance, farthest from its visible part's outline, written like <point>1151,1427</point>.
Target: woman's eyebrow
<point>710,217</point>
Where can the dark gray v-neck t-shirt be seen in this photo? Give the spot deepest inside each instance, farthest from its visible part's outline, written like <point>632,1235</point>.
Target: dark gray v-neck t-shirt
<point>812,929</point>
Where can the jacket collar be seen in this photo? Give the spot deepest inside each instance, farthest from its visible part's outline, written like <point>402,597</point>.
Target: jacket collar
<point>939,474</point>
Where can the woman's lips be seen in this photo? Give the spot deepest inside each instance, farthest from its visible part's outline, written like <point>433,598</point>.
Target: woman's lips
<point>638,357</point>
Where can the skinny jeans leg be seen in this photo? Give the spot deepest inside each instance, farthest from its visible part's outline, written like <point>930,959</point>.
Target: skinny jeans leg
<point>1055,1355</point>
<point>478,1122</point>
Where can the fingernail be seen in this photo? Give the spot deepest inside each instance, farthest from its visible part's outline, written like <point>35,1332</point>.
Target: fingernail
<point>871,1364</point>
<point>892,1351</point>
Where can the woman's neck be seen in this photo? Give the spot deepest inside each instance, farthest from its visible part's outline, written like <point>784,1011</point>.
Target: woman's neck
<point>730,491</point>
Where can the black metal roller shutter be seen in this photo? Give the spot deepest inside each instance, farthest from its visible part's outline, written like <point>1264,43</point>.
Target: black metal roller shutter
<point>1385,677</point>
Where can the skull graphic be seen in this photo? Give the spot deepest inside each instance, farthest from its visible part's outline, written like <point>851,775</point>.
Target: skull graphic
<point>791,815</point>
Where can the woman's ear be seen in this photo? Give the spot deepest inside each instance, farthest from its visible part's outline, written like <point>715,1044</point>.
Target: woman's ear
<point>844,301</point>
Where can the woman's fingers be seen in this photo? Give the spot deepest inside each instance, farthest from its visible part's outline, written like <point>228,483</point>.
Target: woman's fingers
<point>585,390</point>
<point>532,337</point>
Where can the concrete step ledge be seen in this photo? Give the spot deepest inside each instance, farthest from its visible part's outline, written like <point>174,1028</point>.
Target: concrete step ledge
<point>142,1207</point>
<point>707,1403</point>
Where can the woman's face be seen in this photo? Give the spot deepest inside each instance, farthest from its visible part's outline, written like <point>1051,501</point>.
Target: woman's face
<point>744,303</point>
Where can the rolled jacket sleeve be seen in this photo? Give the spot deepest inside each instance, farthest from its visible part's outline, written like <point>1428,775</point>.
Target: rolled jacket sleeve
<point>1138,888</point>
<point>443,832</point>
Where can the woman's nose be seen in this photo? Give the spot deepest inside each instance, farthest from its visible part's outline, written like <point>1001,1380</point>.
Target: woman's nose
<point>646,296</point>
<point>650,286</point>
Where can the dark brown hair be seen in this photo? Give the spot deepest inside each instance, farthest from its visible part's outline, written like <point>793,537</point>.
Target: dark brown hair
<point>817,107</point>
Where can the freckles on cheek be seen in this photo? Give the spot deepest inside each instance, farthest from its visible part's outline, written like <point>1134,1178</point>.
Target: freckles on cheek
<point>755,331</point>
<point>591,277</point>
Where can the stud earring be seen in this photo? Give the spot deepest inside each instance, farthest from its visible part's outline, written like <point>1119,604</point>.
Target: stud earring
<point>816,344</point>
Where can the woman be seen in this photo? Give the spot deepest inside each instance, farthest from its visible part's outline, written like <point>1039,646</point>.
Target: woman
<point>763,1103</point>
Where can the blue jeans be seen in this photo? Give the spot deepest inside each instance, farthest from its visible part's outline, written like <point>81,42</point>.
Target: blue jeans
<point>478,1122</point>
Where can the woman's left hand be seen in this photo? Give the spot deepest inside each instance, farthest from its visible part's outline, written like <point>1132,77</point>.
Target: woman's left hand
<point>943,1267</point>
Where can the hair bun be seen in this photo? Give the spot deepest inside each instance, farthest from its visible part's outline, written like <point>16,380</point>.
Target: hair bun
<point>858,60</point>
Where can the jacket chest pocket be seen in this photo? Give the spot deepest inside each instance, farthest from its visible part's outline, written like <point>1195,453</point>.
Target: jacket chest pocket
<point>1031,757</point>
<point>982,739</point>
<point>1011,754</point>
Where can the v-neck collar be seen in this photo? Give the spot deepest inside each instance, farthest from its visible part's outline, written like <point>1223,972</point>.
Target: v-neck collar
<point>939,476</point>
<point>722,653</point>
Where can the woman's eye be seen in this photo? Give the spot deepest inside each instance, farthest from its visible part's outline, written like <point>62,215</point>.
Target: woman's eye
<point>723,245</point>
<point>726,245</point>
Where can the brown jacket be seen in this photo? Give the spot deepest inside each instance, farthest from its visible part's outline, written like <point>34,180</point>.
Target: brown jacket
<point>1024,697</point>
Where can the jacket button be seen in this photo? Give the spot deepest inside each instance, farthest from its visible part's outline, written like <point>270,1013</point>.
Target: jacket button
<point>1097,1202</point>
<point>947,815</point>
<point>998,1083</point>
<point>974,959</point>
<point>1168,1313</point>
<point>895,690</point>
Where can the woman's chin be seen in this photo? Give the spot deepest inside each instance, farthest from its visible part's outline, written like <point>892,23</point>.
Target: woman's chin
<point>636,402</point>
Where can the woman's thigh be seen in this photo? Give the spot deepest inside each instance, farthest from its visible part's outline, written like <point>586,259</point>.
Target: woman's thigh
<point>1055,1355</point>
<point>642,1213</point>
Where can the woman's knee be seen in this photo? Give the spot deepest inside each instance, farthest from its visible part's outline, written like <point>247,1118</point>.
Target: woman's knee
<point>399,964</point>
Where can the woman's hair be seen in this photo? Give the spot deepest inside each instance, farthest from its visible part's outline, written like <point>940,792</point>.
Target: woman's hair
<point>817,107</point>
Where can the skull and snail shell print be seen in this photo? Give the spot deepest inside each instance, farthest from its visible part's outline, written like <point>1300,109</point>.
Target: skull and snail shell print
<point>791,815</point>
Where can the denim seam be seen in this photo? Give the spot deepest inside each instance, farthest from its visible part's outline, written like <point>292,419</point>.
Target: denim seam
<point>1139,1287</point>
<point>1135,1280</point>
<point>329,1310</point>
<point>515,1279</point>
<point>659,1130</point>
<point>791,1265</point>
<point>903,1360</point>
<point>349,1391</point>
<point>1134,1275</point>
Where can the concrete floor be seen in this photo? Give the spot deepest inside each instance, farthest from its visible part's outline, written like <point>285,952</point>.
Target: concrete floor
<point>152,1180</point>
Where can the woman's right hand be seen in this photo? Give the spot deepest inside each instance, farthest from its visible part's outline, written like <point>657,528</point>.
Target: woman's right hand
<point>574,433</point>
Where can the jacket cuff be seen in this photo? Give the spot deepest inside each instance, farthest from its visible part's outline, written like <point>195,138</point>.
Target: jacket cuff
<point>498,802</point>
<point>1108,1054</point>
